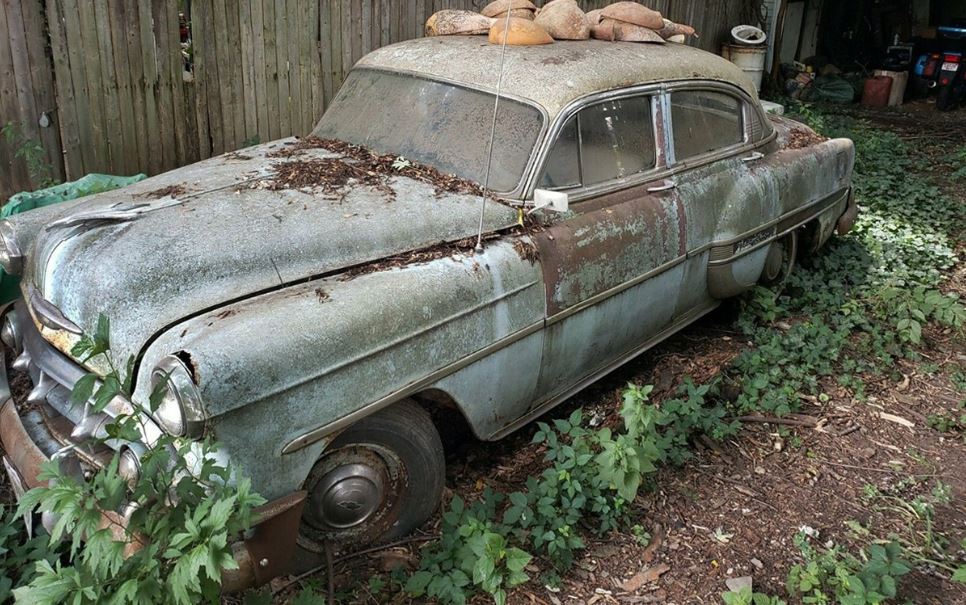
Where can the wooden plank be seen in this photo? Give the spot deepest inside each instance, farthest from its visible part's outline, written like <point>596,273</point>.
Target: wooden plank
<point>237,73</point>
<point>384,22</point>
<point>122,77</point>
<point>347,38</point>
<point>261,85</point>
<point>95,87</point>
<point>335,30</point>
<point>18,178</point>
<point>78,74</point>
<point>271,69</point>
<point>247,40</point>
<point>202,72</point>
<point>223,89</point>
<point>42,77</point>
<point>109,99</point>
<point>166,126</point>
<point>172,48</point>
<point>149,62</point>
<point>281,47</point>
<point>130,22</point>
<point>25,121</point>
<point>315,67</point>
<point>325,51</point>
<point>306,45</point>
<point>294,75</point>
<point>64,89</point>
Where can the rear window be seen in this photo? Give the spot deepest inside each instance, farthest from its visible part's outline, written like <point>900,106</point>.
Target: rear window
<point>705,121</point>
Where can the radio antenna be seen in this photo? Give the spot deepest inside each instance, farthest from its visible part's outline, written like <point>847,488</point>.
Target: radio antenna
<point>496,109</point>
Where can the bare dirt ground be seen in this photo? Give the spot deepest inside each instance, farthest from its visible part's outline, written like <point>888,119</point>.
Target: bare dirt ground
<point>734,509</point>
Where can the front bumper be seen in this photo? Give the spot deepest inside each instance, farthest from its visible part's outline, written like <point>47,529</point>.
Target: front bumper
<point>35,433</point>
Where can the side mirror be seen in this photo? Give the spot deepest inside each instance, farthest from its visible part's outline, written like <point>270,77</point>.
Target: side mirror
<point>558,201</point>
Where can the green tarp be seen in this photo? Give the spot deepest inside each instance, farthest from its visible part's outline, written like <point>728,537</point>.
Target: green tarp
<point>28,200</point>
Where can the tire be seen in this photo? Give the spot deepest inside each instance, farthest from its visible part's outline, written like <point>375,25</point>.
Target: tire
<point>780,261</point>
<point>379,480</point>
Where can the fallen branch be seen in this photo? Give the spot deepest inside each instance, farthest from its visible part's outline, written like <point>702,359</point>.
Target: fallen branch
<point>801,421</point>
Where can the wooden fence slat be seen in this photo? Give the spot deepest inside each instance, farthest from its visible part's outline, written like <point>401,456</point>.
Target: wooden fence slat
<point>247,58</point>
<point>294,81</point>
<point>159,33</point>
<point>42,78</point>
<point>272,84</point>
<point>236,82</point>
<point>176,81</point>
<point>125,123</point>
<point>224,89</point>
<point>95,86</point>
<point>109,96</point>
<point>306,46</point>
<point>66,109</point>
<point>78,73</point>
<point>281,44</point>
<point>260,88</point>
<point>197,91</point>
<point>9,112</point>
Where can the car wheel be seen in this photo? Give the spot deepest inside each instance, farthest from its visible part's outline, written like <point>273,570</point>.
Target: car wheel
<point>379,479</point>
<point>945,100</point>
<point>780,261</point>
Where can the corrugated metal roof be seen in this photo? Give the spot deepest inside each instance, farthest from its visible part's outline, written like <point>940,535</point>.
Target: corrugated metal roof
<point>553,75</point>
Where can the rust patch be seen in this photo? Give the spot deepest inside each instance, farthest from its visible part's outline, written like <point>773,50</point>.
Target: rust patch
<point>236,156</point>
<point>322,295</point>
<point>189,363</point>
<point>169,191</point>
<point>526,250</point>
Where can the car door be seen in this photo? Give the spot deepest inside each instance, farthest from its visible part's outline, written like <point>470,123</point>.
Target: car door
<point>613,267</point>
<point>725,185</point>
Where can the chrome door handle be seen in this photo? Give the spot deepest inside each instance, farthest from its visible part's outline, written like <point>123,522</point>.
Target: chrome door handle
<point>667,186</point>
<point>754,157</point>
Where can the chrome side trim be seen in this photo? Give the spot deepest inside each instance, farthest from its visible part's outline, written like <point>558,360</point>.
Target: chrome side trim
<point>783,225</point>
<point>320,433</point>
<point>541,408</point>
<point>49,315</point>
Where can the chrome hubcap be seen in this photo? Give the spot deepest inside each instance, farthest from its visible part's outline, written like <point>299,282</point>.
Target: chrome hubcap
<point>348,495</point>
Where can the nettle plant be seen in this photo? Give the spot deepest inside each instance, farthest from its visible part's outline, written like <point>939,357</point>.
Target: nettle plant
<point>184,510</point>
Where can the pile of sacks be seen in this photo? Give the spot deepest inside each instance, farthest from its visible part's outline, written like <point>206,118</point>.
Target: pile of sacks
<point>558,20</point>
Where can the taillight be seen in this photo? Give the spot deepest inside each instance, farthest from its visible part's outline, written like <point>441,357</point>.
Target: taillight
<point>952,58</point>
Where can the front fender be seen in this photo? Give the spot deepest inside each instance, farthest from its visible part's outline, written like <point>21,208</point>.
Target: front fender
<point>280,366</point>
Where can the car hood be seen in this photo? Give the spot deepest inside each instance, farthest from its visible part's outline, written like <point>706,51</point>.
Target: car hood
<point>194,239</point>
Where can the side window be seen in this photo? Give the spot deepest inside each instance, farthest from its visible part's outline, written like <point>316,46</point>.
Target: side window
<point>704,121</point>
<point>563,165</point>
<point>604,142</point>
<point>616,139</point>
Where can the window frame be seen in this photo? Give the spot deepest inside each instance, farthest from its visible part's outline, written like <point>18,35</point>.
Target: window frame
<point>748,107</point>
<point>666,164</point>
<point>653,91</point>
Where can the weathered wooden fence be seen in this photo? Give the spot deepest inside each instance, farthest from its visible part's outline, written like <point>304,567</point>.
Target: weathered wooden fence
<point>122,95</point>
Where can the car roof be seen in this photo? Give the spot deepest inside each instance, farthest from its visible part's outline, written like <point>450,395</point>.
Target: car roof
<point>554,75</point>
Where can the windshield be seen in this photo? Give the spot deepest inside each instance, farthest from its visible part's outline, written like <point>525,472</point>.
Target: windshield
<point>434,123</point>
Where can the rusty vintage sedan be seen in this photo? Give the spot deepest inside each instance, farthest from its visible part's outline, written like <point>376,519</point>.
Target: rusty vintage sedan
<point>317,329</point>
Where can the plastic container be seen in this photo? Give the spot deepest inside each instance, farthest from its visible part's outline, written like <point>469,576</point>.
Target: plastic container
<point>900,79</point>
<point>751,60</point>
<point>876,91</point>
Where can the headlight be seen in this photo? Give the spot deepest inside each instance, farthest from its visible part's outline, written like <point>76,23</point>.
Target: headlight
<point>179,411</point>
<point>129,467</point>
<point>11,258</point>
